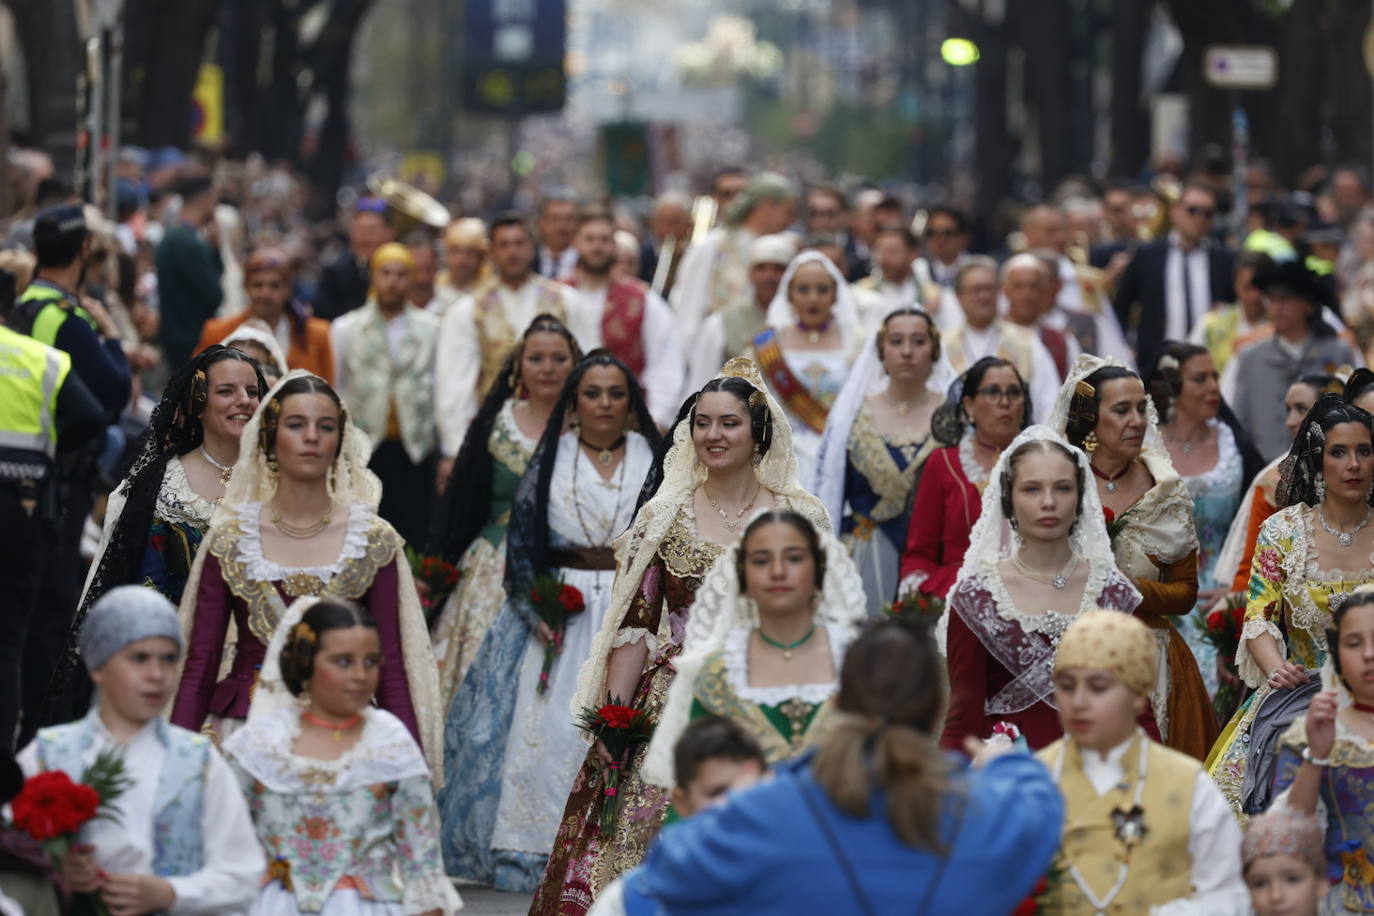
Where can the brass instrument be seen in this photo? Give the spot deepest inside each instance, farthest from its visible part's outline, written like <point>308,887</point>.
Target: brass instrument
<point>1153,216</point>
<point>408,208</point>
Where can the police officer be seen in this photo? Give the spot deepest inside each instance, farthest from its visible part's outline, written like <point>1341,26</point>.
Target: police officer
<point>42,403</point>
<point>52,312</point>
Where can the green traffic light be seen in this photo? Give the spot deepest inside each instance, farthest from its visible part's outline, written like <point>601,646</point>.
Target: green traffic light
<point>958,52</point>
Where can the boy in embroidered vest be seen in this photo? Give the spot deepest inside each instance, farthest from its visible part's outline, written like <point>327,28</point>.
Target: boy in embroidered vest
<point>1145,829</point>
<point>1285,864</point>
<point>183,842</point>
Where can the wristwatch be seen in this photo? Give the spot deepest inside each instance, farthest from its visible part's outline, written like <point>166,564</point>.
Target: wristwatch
<point>1316,761</point>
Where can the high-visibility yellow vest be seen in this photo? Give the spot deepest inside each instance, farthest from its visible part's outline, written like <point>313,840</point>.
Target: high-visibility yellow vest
<point>31,374</point>
<point>49,308</point>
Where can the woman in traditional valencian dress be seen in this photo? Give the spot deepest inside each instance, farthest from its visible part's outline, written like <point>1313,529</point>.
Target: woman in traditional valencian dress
<point>1233,562</point>
<point>769,628</point>
<point>1012,603</point>
<point>512,751</point>
<point>1104,410</point>
<point>338,790</point>
<point>156,518</point>
<point>876,439</point>
<point>1214,457</point>
<point>988,406</point>
<point>300,519</point>
<point>476,508</point>
<point>731,455</point>
<point>1309,554</point>
<point>1326,760</point>
<point>813,337</point>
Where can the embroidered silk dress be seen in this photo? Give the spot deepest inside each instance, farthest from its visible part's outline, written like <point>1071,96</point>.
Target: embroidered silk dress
<point>583,861</point>
<point>1290,598</point>
<point>1216,495</point>
<point>239,583</point>
<point>784,719</point>
<point>513,752</point>
<point>948,502</point>
<point>474,603</point>
<point>880,479</point>
<point>1001,661</point>
<point>356,836</point>
<point>1344,803</point>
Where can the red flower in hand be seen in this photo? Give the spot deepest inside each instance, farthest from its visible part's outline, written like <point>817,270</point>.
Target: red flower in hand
<point>1238,616</point>
<point>1215,621</point>
<point>1108,514</point>
<point>616,716</point>
<point>51,805</point>
<point>571,599</point>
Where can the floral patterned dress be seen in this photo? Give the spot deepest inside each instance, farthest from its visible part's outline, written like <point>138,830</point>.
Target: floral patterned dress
<point>583,861</point>
<point>473,605</point>
<point>879,480</point>
<point>1290,598</point>
<point>1216,496</point>
<point>356,836</point>
<point>1346,798</point>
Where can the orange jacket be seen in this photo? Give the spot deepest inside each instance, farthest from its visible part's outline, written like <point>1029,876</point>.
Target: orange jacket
<point>311,351</point>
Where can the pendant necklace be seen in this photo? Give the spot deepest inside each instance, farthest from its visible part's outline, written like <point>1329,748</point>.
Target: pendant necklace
<point>902,407</point>
<point>1059,580</point>
<point>338,728</point>
<point>739,516</point>
<point>1187,445</point>
<point>615,514</point>
<point>787,647</point>
<point>604,455</point>
<point>224,469</point>
<point>1111,478</point>
<point>813,335</point>
<point>1345,537</point>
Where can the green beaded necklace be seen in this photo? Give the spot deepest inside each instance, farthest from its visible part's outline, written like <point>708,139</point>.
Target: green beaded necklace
<point>787,647</point>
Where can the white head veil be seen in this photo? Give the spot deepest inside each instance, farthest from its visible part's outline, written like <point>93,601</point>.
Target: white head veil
<point>993,540</point>
<point>845,313</point>
<point>682,474</point>
<point>255,330</point>
<point>1086,365</point>
<point>718,610</point>
<point>866,377</point>
<point>253,482</point>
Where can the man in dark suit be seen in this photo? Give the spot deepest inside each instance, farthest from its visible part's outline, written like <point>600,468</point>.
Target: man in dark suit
<point>1171,283</point>
<point>344,281</point>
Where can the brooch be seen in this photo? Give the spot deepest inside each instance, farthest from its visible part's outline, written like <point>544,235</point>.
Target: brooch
<point>1130,825</point>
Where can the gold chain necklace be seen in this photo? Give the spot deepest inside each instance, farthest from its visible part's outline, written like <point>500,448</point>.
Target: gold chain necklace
<point>298,532</point>
<point>1059,580</point>
<point>739,516</point>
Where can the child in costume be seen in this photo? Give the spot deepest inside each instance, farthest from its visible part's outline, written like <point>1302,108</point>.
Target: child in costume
<point>338,789</point>
<point>183,842</point>
<point>1145,829</point>
<point>1326,757</point>
<point>1285,865</point>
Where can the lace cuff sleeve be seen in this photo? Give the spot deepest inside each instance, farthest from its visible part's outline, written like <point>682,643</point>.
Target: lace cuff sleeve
<point>1246,666</point>
<point>912,583</point>
<point>627,635</point>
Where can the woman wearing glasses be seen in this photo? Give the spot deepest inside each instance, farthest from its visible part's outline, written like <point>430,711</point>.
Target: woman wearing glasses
<point>992,407</point>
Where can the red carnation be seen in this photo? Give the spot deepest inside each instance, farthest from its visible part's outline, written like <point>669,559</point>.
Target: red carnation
<point>1215,620</point>
<point>571,599</point>
<point>1238,615</point>
<point>51,805</point>
<point>616,716</point>
<point>1108,514</point>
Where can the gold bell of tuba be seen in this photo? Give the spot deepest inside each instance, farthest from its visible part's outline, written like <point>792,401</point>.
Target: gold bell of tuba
<point>408,208</point>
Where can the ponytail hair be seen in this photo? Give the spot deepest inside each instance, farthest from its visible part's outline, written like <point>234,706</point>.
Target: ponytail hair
<point>891,696</point>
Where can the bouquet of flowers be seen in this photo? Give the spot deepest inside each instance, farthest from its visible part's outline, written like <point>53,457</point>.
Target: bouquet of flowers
<point>435,578</point>
<point>621,728</point>
<point>916,605</point>
<point>52,809</point>
<point>1222,628</point>
<point>554,602</point>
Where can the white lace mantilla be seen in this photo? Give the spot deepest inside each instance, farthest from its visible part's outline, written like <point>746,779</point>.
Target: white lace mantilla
<point>968,462</point>
<point>178,503</point>
<point>261,569</point>
<point>736,654</point>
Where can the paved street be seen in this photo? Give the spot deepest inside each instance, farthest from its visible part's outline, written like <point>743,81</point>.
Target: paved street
<point>483,901</point>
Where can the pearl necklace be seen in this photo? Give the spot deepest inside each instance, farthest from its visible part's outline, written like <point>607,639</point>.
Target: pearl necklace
<point>225,470</point>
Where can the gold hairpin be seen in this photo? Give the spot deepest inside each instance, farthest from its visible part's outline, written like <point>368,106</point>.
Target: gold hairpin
<point>303,632</point>
<point>1083,388</point>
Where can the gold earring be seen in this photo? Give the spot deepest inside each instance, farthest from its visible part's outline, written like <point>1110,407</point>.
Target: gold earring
<point>1090,442</point>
